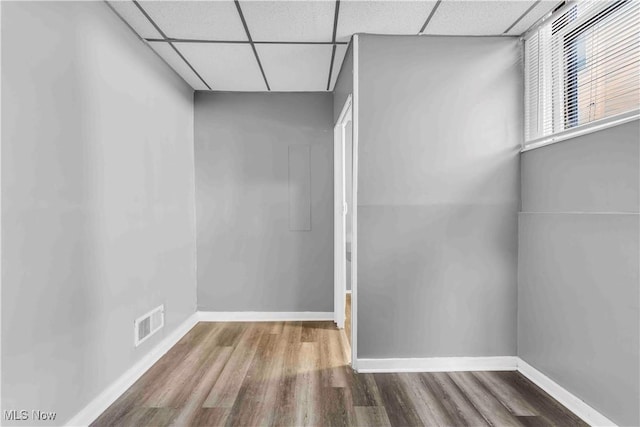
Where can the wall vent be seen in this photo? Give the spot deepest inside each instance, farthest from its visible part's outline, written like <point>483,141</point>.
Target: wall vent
<point>147,325</point>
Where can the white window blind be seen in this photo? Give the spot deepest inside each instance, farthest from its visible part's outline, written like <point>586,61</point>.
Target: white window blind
<point>582,69</point>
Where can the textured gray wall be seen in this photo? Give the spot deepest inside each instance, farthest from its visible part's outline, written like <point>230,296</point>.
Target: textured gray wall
<point>98,204</point>
<point>440,126</point>
<point>579,282</point>
<point>248,259</point>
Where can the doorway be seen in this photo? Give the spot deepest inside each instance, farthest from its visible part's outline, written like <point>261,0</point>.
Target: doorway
<point>343,221</point>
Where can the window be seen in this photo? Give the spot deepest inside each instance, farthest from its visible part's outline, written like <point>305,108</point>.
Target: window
<point>582,70</point>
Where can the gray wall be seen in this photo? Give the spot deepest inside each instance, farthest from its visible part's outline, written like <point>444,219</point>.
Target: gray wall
<point>579,283</point>
<point>440,125</point>
<point>98,204</point>
<point>249,259</point>
<point>344,83</point>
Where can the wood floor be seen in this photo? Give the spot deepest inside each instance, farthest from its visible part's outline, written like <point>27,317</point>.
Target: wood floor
<point>294,374</point>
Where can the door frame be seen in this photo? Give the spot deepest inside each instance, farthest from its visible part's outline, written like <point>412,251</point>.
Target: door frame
<point>339,218</point>
<point>351,105</point>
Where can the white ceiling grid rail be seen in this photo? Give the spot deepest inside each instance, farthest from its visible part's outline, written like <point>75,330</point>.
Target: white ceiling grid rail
<point>299,46</point>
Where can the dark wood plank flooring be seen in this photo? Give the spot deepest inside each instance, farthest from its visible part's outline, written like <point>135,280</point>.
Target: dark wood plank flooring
<point>296,374</point>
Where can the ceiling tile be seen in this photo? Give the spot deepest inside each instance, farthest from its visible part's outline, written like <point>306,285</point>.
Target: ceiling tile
<point>539,10</point>
<point>341,49</point>
<point>303,68</point>
<point>136,20</point>
<point>289,20</point>
<point>225,66</point>
<point>203,20</point>
<point>477,17</point>
<point>381,17</point>
<point>171,57</point>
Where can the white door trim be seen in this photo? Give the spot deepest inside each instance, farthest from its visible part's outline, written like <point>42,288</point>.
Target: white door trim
<point>354,209</point>
<point>339,223</point>
<point>1,224</point>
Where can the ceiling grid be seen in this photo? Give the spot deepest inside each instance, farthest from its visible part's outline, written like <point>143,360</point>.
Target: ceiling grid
<point>333,40</point>
<point>522,16</point>
<point>280,45</point>
<point>253,46</point>
<point>426,22</point>
<point>170,44</point>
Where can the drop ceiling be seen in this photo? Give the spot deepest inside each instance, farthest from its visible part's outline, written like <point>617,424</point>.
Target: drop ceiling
<point>299,46</point>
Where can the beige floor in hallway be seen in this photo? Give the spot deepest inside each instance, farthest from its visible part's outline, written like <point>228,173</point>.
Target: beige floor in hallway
<point>295,374</point>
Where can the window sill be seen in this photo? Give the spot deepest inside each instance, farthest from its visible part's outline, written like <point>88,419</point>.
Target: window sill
<point>582,130</point>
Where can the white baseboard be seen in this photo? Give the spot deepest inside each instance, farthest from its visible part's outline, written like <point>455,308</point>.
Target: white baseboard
<point>98,405</point>
<point>562,395</point>
<point>438,364</point>
<point>263,316</point>
<point>499,363</point>
<point>431,364</point>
